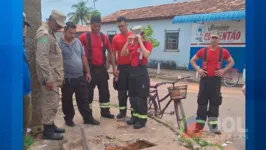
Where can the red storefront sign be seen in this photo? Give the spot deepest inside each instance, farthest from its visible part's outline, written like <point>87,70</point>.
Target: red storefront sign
<point>226,36</point>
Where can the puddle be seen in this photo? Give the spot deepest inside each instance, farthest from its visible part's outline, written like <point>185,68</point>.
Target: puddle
<point>140,144</point>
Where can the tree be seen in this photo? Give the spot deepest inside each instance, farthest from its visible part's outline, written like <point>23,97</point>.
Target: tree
<point>148,32</point>
<point>82,13</point>
<point>33,12</point>
<point>94,1</point>
<point>96,13</point>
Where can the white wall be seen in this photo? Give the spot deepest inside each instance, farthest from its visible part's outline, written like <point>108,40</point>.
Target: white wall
<point>159,26</point>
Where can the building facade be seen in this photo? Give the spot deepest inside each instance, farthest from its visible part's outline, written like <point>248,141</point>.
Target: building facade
<point>173,51</point>
<point>232,38</point>
<point>183,28</point>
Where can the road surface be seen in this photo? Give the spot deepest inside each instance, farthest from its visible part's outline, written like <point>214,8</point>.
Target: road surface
<point>232,113</point>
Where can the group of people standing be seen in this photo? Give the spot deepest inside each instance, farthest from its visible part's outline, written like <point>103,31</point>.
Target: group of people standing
<point>78,65</point>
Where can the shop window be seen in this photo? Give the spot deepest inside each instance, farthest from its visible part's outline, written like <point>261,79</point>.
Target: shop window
<point>171,41</point>
<point>111,35</point>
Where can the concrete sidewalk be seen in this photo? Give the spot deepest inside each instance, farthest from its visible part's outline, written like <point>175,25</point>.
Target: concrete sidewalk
<point>173,75</point>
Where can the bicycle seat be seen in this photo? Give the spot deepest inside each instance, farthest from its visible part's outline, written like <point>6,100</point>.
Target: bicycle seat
<point>153,85</point>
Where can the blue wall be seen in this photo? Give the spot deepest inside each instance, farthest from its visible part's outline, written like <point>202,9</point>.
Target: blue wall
<point>238,54</point>
<point>11,101</point>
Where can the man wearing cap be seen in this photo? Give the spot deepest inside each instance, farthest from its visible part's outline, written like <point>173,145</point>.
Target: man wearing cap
<point>49,64</point>
<point>210,82</point>
<point>96,43</point>
<point>26,84</point>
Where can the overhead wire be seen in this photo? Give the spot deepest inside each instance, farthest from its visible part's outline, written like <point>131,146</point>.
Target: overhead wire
<point>48,3</point>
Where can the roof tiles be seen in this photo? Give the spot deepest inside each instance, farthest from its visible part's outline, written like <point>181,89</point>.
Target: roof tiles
<point>168,11</point>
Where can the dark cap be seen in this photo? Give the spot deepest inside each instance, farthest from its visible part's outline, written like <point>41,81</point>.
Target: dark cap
<point>96,19</point>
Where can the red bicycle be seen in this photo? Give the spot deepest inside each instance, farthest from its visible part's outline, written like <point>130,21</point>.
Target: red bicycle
<point>175,93</point>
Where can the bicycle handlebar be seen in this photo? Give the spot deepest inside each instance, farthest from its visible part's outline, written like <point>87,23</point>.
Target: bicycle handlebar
<point>168,82</point>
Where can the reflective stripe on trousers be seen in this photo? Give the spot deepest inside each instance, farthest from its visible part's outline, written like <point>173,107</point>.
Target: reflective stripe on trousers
<point>105,105</point>
<point>122,108</point>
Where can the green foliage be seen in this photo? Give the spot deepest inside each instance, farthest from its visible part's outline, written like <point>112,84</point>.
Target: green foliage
<point>204,143</point>
<point>96,13</point>
<point>189,143</point>
<point>81,14</point>
<point>148,31</point>
<point>199,141</point>
<point>28,142</point>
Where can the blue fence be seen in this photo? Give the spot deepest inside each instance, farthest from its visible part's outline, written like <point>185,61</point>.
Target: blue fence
<point>11,47</point>
<point>238,54</point>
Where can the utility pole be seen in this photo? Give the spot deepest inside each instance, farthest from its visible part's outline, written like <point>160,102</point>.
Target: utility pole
<point>33,12</point>
<point>94,1</point>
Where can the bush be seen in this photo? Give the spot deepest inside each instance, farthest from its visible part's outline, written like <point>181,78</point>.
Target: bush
<point>28,142</point>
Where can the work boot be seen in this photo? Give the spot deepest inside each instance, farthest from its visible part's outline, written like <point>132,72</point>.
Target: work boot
<point>131,121</point>
<point>133,118</point>
<point>121,115</point>
<point>50,134</point>
<point>58,130</point>
<point>92,121</point>
<point>214,129</point>
<point>107,114</point>
<point>140,123</point>
<point>69,122</point>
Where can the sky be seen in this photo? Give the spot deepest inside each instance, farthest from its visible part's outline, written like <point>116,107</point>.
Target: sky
<point>106,7</point>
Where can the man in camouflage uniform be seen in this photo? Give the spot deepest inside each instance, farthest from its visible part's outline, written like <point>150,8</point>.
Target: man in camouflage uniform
<point>49,65</point>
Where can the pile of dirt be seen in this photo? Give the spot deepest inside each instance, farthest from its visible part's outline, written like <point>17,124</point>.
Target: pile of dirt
<point>141,144</point>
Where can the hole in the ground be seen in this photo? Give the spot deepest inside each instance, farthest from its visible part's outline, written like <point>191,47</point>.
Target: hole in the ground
<point>140,144</point>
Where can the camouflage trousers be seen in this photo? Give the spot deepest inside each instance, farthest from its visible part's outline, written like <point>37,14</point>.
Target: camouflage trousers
<point>49,105</point>
<point>26,113</point>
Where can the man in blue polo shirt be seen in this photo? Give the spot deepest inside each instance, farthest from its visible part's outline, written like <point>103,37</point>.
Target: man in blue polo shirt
<point>26,84</point>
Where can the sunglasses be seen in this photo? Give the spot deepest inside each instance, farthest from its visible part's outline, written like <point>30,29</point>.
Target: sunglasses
<point>121,26</point>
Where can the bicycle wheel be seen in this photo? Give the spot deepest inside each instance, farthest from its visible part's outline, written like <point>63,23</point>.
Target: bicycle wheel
<point>153,107</point>
<point>231,78</point>
<point>180,116</point>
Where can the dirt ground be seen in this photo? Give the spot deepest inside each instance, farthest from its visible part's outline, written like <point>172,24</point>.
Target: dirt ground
<point>113,134</point>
